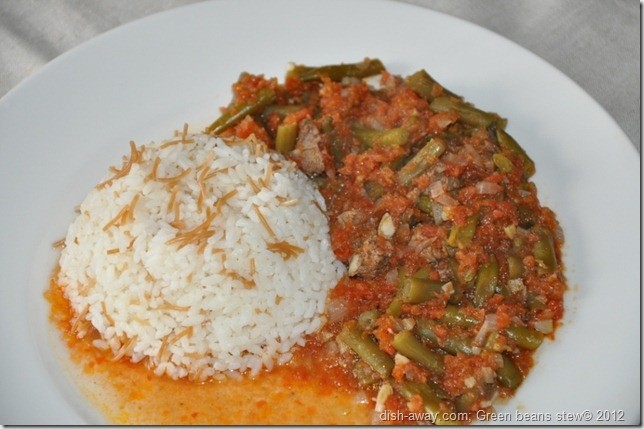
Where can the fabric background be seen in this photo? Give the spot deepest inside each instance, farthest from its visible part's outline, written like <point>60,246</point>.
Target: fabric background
<point>594,42</point>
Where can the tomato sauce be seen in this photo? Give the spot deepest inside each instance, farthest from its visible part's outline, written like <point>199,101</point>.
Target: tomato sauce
<point>129,393</point>
<point>454,268</point>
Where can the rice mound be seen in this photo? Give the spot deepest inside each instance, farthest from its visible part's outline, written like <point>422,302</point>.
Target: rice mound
<point>202,256</point>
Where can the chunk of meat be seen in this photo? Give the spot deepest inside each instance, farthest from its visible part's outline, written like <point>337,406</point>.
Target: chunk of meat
<point>428,242</point>
<point>371,257</point>
<point>352,217</point>
<point>307,153</point>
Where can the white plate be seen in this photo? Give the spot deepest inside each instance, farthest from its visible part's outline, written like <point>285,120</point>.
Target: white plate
<point>62,128</point>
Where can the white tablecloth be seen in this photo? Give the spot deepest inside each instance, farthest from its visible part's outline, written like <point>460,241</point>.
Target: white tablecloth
<point>594,42</point>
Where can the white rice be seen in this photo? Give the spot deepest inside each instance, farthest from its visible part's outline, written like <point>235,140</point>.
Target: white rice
<point>230,302</point>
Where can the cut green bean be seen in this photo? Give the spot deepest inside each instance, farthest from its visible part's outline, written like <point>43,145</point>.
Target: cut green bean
<point>461,236</point>
<point>452,344</point>
<point>455,345</point>
<point>462,277</point>
<point>416,290</point>
<point>424,204</point>
<point>372,138</point>
<point>285,138</point>
<point>411,347</point>
<point>421,273</point>
<point>368,350</point>
<point>510,144</point>
<point>509,375</point>
<point>466,112</point>
<point>425,85</point>
<point>464,402</point>
<point>495,342</point>
<point>367,319</point>
<point>235,114</point>
<point>425,329</point>
<point>536,301</point>
<point>281,110</point>
<point>374,189</point>
<point>364,374</point>
<point>337,72</point>
<point>525,338</point>
<point>502,163</point>
<point>515,267</point>
<point>425,158</point>
<point>544,249</point>
<point>486,282</point>
<point>395,306</point>
<point>454,317</point>
<point>431,400</point>
<point>527,217</point>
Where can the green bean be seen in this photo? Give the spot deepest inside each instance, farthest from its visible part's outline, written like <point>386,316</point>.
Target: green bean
<point>527,217</point>
<point>508,143</point>
<point>458,282</point>
<point>465,277</point>
<point>235,114</point>
<point>454,317</point>
<point>424,204</point>
<point>509,375</point>
<point>374,189</point>
<point>536,301</point>
<point>368,350</point>
<point>416,290</point>
<point>281,110</point>
<point>431,400</point>
<point>425,329</point>
<point>502,289</point>
<point>515,267</point>
<point>486,282</point>
<point>461,236</point>
<point>421,273</point>
<point>371,138</point>
<point>408,345</point>
<point>502,163</point>
<point>395,306</point>
<point>464,402</point>
<point>495,342</point>
<point>397,163</point>
<point>337,72</point>
<point>524,337</point>
<point>425,85</point>
<point>326,125</point>
<point>466,112</point>
<point>544,249</point>
<point>364,374</point>
<point>455,345</point>
<point>452,344</point>
<point>367,319</point>
<point>425,158</point>
<point>285,138</point>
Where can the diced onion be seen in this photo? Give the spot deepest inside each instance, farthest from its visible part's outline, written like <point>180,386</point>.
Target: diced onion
<point>487,188</point>
<point>336,310</point>
<point>544,326</point>
<point>383,394</point>
<point>437,212</point>
<point>489,325</point>
<point>386,228</point>
<point>354,265</point>
<point>446,200</point>
<point>488,374</point>
<point>436,189</point>
<point>470,382</point>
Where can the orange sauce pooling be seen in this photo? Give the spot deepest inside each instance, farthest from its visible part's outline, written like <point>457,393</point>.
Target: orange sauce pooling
<point>304,391</point>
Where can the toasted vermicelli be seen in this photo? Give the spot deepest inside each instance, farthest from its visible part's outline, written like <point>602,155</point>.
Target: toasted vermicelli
<point>199,257</point>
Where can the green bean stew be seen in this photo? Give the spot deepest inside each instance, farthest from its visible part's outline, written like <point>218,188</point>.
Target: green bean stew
<point>454,272</point>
